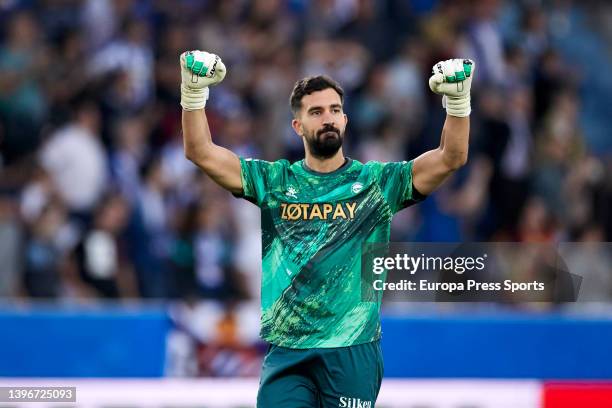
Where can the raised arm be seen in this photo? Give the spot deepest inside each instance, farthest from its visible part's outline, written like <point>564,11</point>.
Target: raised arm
<point>452,79</point>
<point>221,164</point>
<point>199,70</point>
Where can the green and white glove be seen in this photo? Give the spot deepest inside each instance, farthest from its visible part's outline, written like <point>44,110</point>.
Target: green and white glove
<point>199,70</point>
<point>453,79</point>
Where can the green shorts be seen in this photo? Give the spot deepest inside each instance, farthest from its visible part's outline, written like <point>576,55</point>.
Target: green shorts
<point>322,377</point>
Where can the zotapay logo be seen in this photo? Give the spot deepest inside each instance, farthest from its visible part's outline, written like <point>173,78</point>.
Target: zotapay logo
<point>347,402</point>
<point>322,211</point>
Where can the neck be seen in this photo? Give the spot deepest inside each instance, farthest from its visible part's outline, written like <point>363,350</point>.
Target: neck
<point>326,165</point>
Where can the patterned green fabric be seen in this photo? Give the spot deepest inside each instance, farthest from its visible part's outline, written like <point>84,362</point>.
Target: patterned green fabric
<point>313,226</point>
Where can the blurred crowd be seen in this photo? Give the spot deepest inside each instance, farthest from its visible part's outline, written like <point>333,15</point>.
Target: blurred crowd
<point>98,201</point>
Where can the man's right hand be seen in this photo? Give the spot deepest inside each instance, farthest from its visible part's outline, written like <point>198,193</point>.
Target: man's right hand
<point>199,70</point>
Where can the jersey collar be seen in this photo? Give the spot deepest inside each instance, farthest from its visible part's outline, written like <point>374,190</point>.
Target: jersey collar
<point>347,163</point>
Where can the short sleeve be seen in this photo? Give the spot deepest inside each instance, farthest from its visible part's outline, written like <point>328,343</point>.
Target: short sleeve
<point>396,185</point>
<point>259,177</point>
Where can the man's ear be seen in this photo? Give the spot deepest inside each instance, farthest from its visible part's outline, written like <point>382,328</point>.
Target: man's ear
<point>297,126</point>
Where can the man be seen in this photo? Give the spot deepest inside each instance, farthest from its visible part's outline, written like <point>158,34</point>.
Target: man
<point>316,214</point>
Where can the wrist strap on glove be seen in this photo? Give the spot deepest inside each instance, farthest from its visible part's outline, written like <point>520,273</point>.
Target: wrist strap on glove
<point>193,99</point>
<point>457,106</point>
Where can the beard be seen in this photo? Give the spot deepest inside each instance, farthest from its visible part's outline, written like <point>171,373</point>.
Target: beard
<point>325,142</point>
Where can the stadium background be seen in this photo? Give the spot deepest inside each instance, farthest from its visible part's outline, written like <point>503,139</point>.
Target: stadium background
<point>126,272</point>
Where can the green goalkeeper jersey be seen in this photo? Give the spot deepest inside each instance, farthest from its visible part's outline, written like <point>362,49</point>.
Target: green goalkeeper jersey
<point>313,228</point>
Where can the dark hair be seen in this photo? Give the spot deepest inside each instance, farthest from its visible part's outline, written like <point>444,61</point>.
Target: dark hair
<point>309,85</point>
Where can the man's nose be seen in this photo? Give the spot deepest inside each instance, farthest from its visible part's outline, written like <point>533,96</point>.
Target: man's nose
<point>328,118</point>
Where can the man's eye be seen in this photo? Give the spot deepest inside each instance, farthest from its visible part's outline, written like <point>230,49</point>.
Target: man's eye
<point>316,113</point>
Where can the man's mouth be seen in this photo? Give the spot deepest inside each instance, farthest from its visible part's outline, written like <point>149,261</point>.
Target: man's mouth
<point>329,133</point>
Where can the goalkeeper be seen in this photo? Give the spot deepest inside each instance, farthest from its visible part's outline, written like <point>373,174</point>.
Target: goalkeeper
<point>324,348</point>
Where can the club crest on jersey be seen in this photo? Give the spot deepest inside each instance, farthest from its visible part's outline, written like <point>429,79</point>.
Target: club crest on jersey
<point>323,211</point>
<point>356,187</point>
<point>291,192</point>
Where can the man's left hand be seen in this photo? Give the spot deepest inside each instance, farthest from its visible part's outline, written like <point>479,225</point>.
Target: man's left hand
<point>453,79</point>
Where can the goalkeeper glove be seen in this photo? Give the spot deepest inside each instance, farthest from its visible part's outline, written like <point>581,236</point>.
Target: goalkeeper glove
<point>199,70</point>
<point>453,79</point>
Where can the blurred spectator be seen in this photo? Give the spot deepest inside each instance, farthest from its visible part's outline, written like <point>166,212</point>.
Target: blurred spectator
<point>405,84</point>
<point>590,260</point>
<point>167,76</point>
<point>11,242</point>
<point>534,34</point>
<point>181,257</point>
<point>22,102</point>
<point>518,69</point>
<point>151,245</point>
<point>485,43</point>
<point>325,17</point>
<point>130,57</point>
<point>101,20</point>
<point>76,160</point>
<point>560,148</point>
<point>441,31</point>
<point>44,256</point>
<point>371,108</point>
<point>129,154</point>
<point>549,79</point>
<point>536,224</point>
<point>36,195</point>
<point>101,254</point>
<point>213,248</point>
<point>67,80</point>
<point>368,27</point>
